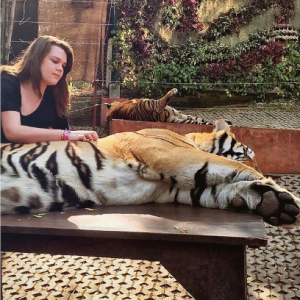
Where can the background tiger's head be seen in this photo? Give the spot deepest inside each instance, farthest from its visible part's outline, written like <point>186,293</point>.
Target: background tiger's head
<point>222,142</point>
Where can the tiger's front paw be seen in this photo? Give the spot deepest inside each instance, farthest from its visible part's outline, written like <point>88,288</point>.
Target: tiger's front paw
<point>277,207</point>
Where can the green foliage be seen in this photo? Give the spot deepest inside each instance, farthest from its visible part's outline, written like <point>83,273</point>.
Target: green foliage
<point>145,61</point>
<point>277,77</point>
<point>76,87</point>
<point>171,15</point>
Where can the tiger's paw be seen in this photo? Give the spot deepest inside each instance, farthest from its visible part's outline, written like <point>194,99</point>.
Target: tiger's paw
<point>276,207</point>
<point>173,92</point>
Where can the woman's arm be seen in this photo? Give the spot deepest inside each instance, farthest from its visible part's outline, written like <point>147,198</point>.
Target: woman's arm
<point>17,133</point>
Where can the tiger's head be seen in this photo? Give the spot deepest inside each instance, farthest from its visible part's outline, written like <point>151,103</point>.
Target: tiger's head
<point>222,142</point>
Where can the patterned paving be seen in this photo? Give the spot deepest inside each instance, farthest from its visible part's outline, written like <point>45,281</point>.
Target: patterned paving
<point>260,116</point>
<point>273,272</point>
<point>30,276</point>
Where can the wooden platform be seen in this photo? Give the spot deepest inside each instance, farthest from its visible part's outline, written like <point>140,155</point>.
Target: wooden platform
<point>204,249</point>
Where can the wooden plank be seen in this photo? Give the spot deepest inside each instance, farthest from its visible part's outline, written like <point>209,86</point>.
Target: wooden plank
<point>155,222</point>
<point>208,259</point>
<point>207,271</point>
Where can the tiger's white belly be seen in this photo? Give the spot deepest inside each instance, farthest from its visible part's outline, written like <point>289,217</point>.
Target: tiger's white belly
<point>119,185</point>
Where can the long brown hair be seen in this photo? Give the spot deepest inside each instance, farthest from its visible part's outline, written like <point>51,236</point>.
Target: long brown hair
<point>27,67</point>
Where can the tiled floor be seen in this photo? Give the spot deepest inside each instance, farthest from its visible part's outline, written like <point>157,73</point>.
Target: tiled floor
<point>260,116</point>
<point>274,271</point>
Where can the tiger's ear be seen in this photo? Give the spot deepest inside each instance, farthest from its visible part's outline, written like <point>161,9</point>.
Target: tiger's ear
<point>163,102</point>
<point>110,107</point>
<point>221,124</point>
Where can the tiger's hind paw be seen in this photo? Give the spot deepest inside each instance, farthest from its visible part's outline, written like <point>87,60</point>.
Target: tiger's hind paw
<point>173,92</point>
<point>277,208</point>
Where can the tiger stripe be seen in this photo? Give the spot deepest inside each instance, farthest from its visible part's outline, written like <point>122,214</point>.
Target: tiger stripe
<point>214,193</point>
<point>15,146</point>
<point>222,142</point>
<point>11,164</point>
<point>200,184</point>
<point>41,177</point>
<point>176,196</point>
<point>83,169</point>
<point>98,156</point>
<point>56,206</point>
<point>23,209</point>
<point>51,164</point>
<point>173,183</point>
<point>86,204</point>
<point>69,194</point>
<point>32,155</point>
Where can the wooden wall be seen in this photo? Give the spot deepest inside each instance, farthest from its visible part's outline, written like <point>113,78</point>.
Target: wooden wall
<point>81,24</point>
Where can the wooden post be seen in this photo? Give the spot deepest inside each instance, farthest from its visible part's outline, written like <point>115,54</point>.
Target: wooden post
<point>7,14</point>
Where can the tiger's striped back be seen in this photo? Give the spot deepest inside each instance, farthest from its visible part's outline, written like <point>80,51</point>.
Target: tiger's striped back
<point>151,110</point>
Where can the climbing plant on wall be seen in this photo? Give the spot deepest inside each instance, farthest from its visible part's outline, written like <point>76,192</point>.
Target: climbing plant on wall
<point>268,61</point>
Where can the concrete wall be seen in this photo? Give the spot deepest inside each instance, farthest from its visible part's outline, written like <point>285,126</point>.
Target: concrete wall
<point>296,18</point>
<point>265,20</point>
<point>211,10</point>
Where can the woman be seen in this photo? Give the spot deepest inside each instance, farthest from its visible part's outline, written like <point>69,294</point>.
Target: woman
<point>35,96</point>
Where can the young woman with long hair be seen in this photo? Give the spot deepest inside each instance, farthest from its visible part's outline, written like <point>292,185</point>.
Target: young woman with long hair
<point>35,96</point>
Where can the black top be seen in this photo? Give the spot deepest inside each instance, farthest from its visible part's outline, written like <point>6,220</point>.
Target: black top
<point>45,116</point>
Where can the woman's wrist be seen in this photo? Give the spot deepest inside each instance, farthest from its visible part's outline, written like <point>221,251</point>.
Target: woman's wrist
<point>65,135</point>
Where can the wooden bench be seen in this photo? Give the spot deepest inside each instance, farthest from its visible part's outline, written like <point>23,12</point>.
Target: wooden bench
<point>204,249</point>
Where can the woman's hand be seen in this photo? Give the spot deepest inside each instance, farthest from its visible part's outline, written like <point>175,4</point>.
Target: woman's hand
<point>83,135</point>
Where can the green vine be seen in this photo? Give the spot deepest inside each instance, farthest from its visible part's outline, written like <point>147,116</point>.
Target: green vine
<point>259,65</point>
<point>171,15</point>
<point>182,15</point>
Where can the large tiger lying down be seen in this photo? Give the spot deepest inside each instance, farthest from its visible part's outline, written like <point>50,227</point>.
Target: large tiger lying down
<point>150,165</point>
<point>151,110</point>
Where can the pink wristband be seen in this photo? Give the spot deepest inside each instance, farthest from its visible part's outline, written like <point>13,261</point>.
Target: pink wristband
<point>65,135</point>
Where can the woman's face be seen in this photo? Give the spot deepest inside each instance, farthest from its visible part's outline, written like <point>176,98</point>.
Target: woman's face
<point>52,66</point>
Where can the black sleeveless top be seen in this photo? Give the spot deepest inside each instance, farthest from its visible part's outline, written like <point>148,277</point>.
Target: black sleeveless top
<point>45,116</point>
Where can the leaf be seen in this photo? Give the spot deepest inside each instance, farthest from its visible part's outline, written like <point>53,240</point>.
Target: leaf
<point>37,216</point>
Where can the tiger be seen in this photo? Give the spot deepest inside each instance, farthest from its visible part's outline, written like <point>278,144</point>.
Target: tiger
<point>222,142</point>
<point>152,110</point>
<point>130,168</point>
